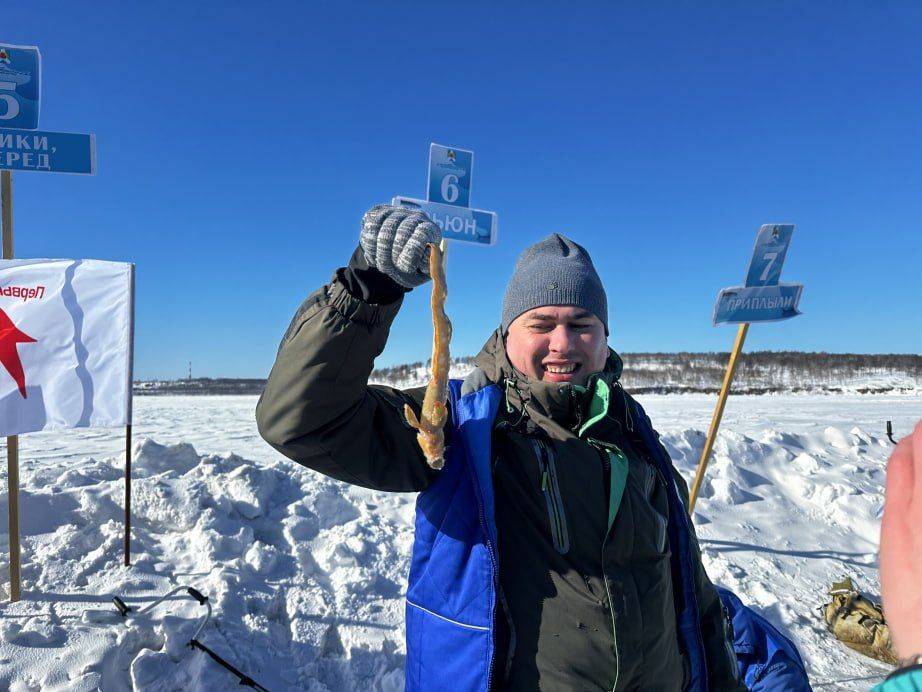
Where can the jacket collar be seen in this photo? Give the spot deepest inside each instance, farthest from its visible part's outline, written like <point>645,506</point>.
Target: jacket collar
<point>565,405</point>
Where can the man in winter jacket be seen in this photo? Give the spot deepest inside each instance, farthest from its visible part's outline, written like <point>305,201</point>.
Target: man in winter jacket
<point>588,592</point>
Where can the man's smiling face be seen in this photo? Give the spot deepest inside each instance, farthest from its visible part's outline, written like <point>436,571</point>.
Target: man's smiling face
<point>557,343</point>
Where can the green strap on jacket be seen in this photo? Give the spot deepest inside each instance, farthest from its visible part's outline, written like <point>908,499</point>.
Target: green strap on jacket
<point>909,680</point>
<point>619,468</point>
<point>598,407</point>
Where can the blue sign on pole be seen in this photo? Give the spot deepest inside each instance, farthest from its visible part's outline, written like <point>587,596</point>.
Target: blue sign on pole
<point>762,299</point>
<point>771,248</point>
<point>20,86</point>
<point>757,303</point>
<point>450,172</point>
<point>52,152</point>
<point>457,223</point>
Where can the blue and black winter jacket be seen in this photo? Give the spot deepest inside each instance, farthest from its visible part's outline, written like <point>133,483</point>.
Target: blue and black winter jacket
<point>452,591</point>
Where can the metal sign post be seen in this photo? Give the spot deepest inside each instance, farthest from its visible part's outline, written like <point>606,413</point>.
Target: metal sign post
<point>762,299</point>
<point>12,443</point>
<point>24,148</point>
<point>128,427</point>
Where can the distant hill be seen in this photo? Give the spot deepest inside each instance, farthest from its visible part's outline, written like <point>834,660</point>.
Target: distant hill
<point>667,373</point>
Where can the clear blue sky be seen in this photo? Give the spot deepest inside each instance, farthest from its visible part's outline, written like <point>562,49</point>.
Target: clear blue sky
<point>240,143</point>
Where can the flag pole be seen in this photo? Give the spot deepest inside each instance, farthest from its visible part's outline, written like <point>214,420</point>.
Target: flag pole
<point>128,495</point>
<point>12,442</point>
<point>130,418</point>
<point>718,414</point>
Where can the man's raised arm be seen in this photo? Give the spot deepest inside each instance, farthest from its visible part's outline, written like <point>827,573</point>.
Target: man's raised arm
<point>317,407</point>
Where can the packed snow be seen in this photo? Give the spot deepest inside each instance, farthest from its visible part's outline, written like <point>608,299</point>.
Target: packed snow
<point>306,575</point>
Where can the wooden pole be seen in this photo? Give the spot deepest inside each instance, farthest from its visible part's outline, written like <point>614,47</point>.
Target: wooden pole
<point>12,442</point>
<point>12,470</point>
<point>6,192</point>
<point>129,394</point>
<point>128,495</point>
<point>718,414</point>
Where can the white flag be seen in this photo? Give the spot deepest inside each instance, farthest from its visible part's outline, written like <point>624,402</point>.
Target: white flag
<point>65,344</point>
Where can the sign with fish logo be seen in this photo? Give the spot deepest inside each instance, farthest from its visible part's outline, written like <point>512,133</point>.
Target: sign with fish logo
<point>450,172</point>
<point>20,86</point>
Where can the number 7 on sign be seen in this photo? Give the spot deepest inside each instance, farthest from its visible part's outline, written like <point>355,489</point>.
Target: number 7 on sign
<point>768,256</point>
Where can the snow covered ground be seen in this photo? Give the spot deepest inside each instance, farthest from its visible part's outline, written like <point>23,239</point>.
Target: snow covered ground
<point>306,575</point>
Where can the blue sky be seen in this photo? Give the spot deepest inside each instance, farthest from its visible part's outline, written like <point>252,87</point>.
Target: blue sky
<point>239,145</point>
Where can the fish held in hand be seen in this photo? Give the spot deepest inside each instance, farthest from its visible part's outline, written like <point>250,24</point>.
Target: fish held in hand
<point>429,425</point>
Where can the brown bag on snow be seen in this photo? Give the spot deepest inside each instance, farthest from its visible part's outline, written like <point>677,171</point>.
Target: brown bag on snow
<point>858,623</point>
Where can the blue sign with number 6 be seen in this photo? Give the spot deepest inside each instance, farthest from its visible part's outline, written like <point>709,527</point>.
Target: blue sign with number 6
<point>450,175</point>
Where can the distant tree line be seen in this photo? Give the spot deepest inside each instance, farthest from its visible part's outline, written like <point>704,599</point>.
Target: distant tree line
<point>757,372</point>
<point>773,371</point>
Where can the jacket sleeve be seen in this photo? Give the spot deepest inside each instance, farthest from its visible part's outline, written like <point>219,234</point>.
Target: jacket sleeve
<point>317,407</point>
<point>903,680</point>
<point>716,630</point>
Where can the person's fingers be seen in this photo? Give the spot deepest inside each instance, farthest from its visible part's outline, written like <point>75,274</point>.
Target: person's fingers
<point>412,258</point>
<point>372,216</point>
<point>405,244</point>
<point>900,477</point>
<point>900,482</point>
<point>386,234</point>
<point>371,224</point>
<point>915,464</point>
<point>901,545</point>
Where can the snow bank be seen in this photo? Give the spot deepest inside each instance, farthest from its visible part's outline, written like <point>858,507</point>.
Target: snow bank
<point>306,575</point>
<point>305,580</point>
<point>780,517</point>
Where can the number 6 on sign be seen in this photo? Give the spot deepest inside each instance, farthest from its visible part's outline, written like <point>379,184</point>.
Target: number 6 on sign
<point>450,175</point>
<point>450,188</point>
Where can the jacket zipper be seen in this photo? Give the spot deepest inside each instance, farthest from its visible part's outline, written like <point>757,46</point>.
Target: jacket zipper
<point>602,443</point>
<point>551,489</point>
<point>611,610</point>
<point>604,448</point>
<point>486,534</point>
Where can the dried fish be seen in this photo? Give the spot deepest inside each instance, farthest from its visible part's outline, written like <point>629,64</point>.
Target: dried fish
<point>430,434</point>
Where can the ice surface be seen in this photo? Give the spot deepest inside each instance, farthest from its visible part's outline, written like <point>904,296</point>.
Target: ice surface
<point>307,575</point>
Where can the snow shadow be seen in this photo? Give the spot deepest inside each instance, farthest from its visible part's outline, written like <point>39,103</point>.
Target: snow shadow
<point>40,513</point>
<point>837,555</point>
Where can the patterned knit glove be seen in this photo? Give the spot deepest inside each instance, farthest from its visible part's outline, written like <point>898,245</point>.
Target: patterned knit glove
<point>394,241</point>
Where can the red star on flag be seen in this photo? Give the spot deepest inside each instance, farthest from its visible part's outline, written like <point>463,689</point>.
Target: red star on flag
<point>10,337</point>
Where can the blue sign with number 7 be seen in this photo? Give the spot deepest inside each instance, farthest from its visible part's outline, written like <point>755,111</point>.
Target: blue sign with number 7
<point>771,248</point>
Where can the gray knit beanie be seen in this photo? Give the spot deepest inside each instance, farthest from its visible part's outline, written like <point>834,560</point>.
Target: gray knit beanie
<point>554,271</point>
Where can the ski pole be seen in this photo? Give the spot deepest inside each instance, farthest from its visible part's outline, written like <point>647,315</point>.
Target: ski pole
<point>890,432</point>
<point>125,610</point>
